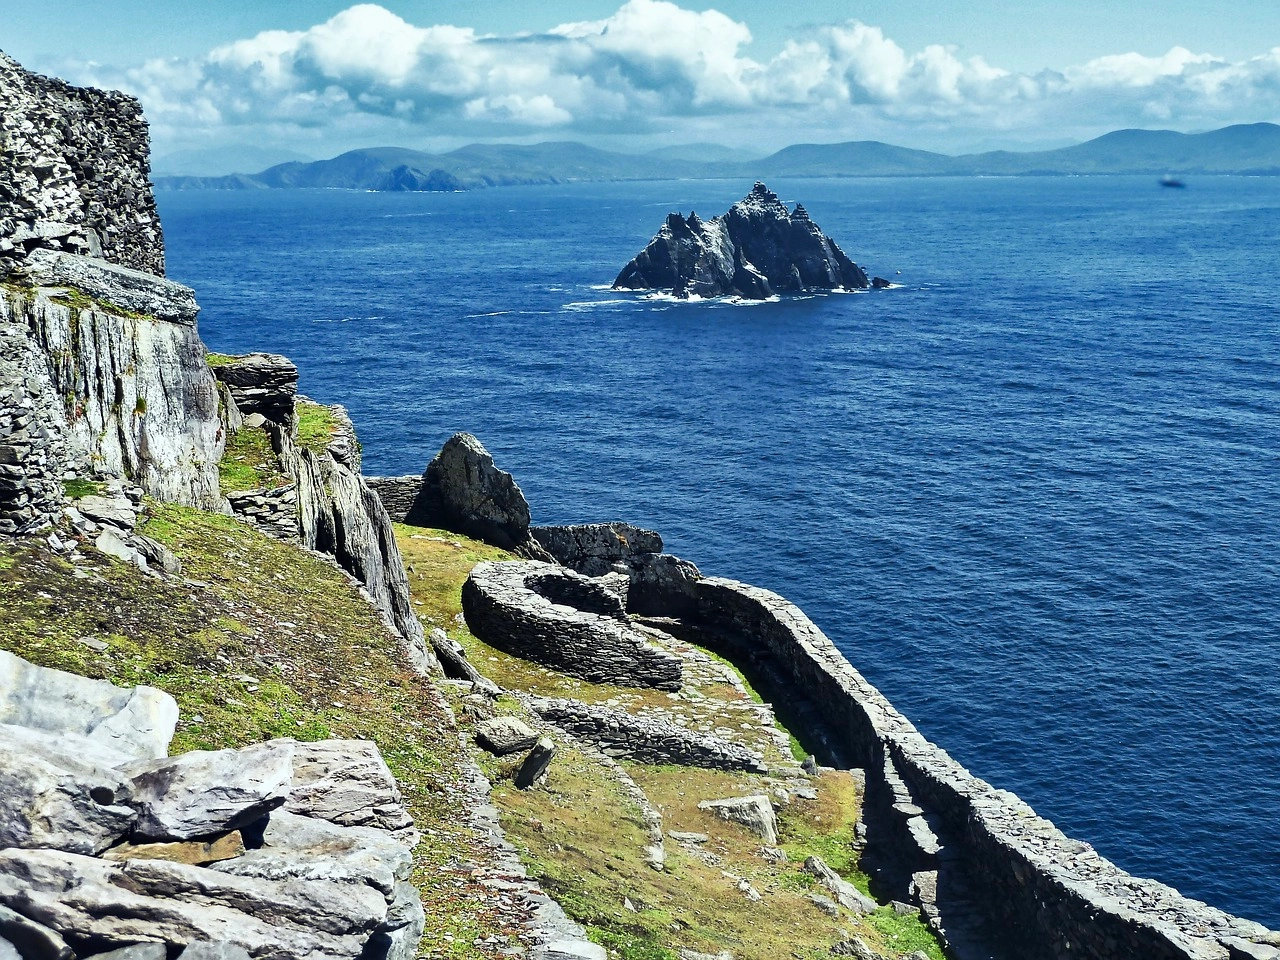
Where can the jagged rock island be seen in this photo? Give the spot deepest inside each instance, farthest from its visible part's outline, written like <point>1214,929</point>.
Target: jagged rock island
<point>756,250</point>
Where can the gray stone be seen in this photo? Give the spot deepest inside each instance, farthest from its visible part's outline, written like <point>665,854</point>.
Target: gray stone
<point>825,904</point>
<point>136,951</point>
<point>1239,948</point>
<point>848,896</point>
<point>114,510</point>
<point>535,765</point>
<point>210,791</point>
<point>31,940</point>
<point>112,544</point>
<point>50,796</point>
<point>682,836</point>
<point>454,662</point>
<point>534,610</point>
<point>348,783</point>
<point>400,933</point>
<point>135,722</point>
<point>856,948</point>
<point>571,950</point>
<point>206,950</point>
<point>462,490</point>
<point>754,812</point>
<point>303,848</point>
<point>123,288</point>
<point>503,735</point>
<point>594,548</point>
<point>262,385</point>
<point>120,903</point>
<point>7,951</point>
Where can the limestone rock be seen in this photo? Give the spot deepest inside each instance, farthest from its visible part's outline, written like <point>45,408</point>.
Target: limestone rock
<point>571,950</point>
<point>348,783</point>
<point>463,490</point>
<point>848,896</point>
<point>855,947</point>
<point>52,797</point>
<point>195,852</point>
<point>503,735</point>
<point>136,951</point>
<point>134,291</point>
<point>265,384</point>
<point>8,951</point>
<point>757,249</point>
<point>118,511</point>
<point>135,722</point>
<point>456,666</point>
<point>398,937</point>
<point>204,950</point>
<point>535,764</point>
<point>754,812</point>
<point>303,848</point>
<point>31,940</point>
<point>138,900</point>
<point>203,792</point>
<point>564,620</point>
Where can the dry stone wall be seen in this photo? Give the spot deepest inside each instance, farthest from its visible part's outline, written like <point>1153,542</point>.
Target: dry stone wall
<point>1051,897</point>
<point>74,173</point>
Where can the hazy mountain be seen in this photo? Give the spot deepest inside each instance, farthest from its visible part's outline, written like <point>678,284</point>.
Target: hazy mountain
<point>1249,148</point>
<point>236,158</point>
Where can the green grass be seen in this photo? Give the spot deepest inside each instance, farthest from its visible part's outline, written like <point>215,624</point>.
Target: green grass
<point>79,300</point>
<point>219,359</point>
<point>316,426</point>
<point>75,489</point>
<point>249,462</point>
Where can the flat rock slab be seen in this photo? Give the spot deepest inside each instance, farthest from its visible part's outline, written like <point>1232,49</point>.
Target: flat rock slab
<point>204,792</point>
<point>348,783</point>
<point>31,938</point>
<point>204,950</point>
<point>51,797</point>
<point>755,813</point>
<point>195,852</point>
<point>503,735</point>
<point>124,903</point>
<point>137,951</point>
<point>137,721</point>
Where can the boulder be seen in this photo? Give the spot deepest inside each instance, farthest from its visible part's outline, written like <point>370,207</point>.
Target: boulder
<point>755,250</point>
<point>204,792</point>
<point>535,764</point>
<point>456,666</point>
<point>30,940</point>
<point>51,796</point>
<point>261,383</point>
<point>348,783</point>
<point>570,950</point>
<point>462,490</point>
<point>135,721</point>
<point>755,813</point>
<point>845,893</point>
<point>398,937</point>
<point>503,735</point>
<point>137,951</point>
<point>118,511</point>
<point>302,848</point>
<point>87,899</point>
<point>205,950</point>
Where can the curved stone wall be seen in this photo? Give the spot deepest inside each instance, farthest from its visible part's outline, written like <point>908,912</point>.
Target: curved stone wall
<point>530,609</point>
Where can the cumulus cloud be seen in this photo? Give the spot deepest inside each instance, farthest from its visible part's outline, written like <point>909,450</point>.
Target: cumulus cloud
<point>655,65</point>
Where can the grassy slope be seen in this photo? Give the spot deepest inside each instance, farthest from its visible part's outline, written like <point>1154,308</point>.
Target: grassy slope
<point>259,640</point>
<point>584,838</point>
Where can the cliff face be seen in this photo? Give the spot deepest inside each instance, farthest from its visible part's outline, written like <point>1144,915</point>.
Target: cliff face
<point>758,248</point>
<point>74,173</point>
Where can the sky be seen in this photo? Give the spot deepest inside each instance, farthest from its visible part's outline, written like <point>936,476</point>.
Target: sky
<point>240,79</point>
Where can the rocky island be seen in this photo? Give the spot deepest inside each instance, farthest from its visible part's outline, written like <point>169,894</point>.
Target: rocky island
<point>757,249</point>
<point>254,703</point>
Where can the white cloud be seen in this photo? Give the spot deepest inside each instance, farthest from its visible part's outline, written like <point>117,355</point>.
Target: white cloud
<point>655,65</point>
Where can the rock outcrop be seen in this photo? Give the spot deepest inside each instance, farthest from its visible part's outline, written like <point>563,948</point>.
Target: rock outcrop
<point>262,383</point>
<point>464,491</point>
<point>102,850</point>
<point>74,173</point>
<point>564,620</point>
<point>756,250</point>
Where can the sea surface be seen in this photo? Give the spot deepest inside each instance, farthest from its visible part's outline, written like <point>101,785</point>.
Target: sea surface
<point>1033,493</point>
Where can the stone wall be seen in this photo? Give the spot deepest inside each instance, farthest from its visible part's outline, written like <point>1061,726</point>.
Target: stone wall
<point>1049,896</point>
<point>504,609</point>
<point>274,512</point>
<point>594,548</point>
<point>74,173</point>
<point>647,739</point>
<point>32,423</point>
<point>397,494</point>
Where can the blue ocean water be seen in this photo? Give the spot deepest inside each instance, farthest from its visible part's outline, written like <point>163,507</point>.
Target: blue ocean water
<point>1033,494</point>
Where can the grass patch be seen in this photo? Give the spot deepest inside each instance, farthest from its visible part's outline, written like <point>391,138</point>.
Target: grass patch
<point>249,462</point>
<point>79,300</point>
<point>75,489</point>
<point>219,359</point>
<point>317,426</point>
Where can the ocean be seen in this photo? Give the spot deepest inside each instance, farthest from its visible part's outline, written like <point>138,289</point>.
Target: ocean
<point>1032,493</point>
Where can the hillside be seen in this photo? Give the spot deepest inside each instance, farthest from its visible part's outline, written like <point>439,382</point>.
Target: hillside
<point>1243,149</point>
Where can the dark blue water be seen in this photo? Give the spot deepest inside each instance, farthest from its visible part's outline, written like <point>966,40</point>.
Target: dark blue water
<point>1034,495</point>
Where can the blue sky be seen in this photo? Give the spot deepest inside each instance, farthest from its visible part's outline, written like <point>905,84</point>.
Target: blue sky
<point>318,77</point>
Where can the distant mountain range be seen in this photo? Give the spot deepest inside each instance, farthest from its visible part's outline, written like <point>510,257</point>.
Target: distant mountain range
<point>1241,149</point>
